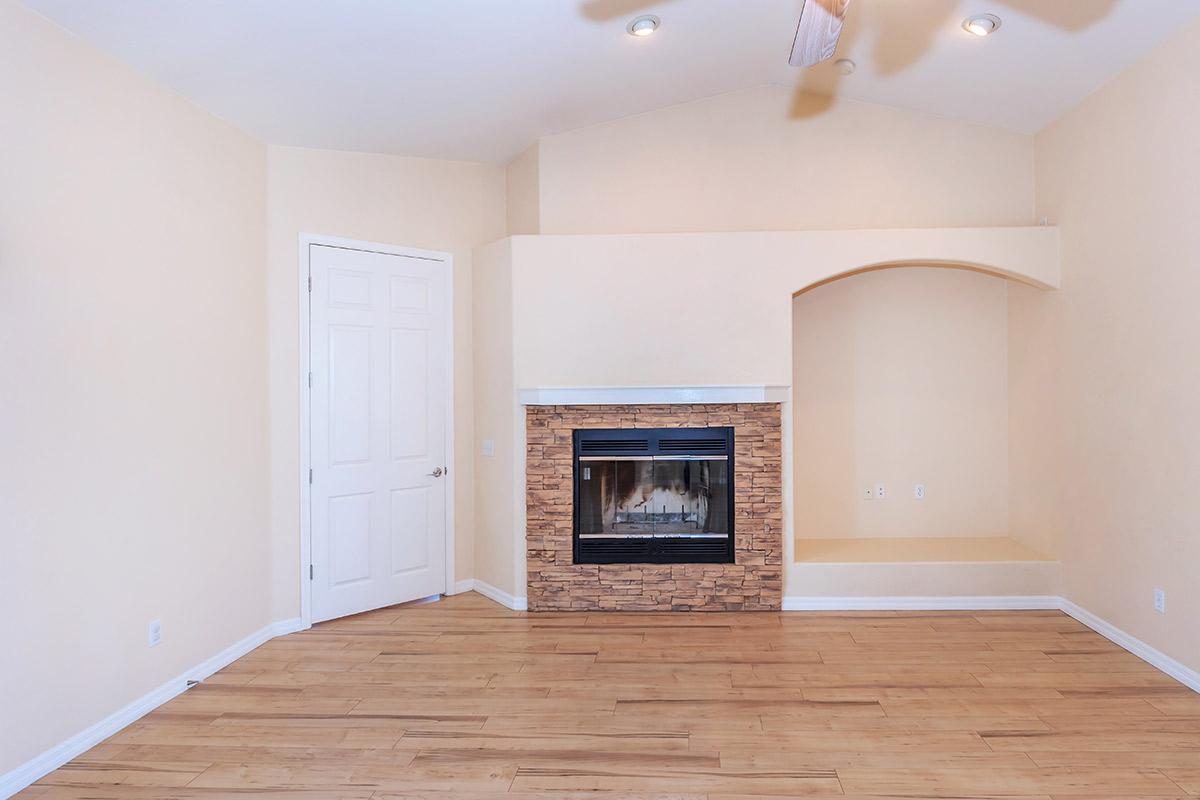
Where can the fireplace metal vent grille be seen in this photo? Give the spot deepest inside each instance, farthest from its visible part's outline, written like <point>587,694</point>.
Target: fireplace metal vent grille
<point>655,551</point>
<point>720,445</point>
<point>613,446</point>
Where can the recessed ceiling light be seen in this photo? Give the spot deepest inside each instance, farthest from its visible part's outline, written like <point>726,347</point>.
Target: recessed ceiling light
<point>981,24</point>
<point>845,66</point>
<point>643,25</point>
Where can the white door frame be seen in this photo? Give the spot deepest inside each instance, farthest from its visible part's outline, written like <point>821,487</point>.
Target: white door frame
<point>307,240</point>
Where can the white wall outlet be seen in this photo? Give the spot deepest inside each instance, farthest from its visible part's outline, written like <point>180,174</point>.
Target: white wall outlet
<point>1160,601</point>
<point>880,491</point>
<point>488,448</point>
<point>868,493</point>
<point>154,634</point>
<point>919,491</point>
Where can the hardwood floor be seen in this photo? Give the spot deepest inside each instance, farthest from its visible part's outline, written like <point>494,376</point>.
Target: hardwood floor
<point>466,699</point>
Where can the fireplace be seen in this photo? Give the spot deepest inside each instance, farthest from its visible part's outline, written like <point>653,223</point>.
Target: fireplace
<point>653,496</point>
<point>752,580</point>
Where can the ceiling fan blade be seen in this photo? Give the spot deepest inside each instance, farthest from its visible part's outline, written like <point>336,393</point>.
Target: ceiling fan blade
<point>818,31</point>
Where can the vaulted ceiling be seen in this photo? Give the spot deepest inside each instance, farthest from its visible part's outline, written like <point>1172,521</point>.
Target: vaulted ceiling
<point>481,79</point>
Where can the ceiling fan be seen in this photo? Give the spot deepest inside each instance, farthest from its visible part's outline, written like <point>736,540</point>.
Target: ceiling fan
<point>818,31</point>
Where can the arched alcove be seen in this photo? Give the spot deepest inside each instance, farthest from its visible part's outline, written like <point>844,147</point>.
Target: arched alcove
<point>900,385</point>
<point>983,269</point>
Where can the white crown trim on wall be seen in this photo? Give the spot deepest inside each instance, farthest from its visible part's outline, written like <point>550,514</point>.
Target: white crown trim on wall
<point>651,395</point>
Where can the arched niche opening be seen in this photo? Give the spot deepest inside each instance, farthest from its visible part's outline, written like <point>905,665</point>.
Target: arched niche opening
<point>964,266</point>
<point>901,416</point>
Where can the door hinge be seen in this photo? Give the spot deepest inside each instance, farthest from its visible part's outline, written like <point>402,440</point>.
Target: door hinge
<point>310,474</point>
<point>310,572</point>
<point>310,380</point>
<point>310,284</point>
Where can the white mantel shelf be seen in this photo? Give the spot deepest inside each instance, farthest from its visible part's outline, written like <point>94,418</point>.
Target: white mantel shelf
<point>650,395</point>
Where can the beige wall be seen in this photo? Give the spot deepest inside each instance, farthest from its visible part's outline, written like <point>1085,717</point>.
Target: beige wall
<point>451,206</point>
<point>580,307</point>
<point>901,378</point>
<point>496,495</point>
<point>1118,382</point>
<point>1035,433</point>
<point>596,294</point>
<point>757,160</point>
<point>763,159</point>
<point>132,401</point>
<point>140,375</point>
<point>522,202</point>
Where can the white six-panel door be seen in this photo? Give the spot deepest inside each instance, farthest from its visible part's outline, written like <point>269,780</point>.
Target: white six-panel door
<point>378,328</point>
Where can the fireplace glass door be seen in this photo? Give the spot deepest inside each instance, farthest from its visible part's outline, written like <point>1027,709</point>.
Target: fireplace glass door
<point>653,496</point>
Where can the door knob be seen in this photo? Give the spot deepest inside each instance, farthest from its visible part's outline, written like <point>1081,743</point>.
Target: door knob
<point>437,472</point>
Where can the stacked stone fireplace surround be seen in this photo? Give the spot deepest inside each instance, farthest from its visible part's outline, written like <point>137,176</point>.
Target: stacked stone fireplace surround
<point>754,582</point>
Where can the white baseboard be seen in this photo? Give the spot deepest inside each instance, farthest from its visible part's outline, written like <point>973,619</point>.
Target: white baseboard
<point>903,603</point>
<point>1155,658</point>
<point>285,626</point>
<point>500,596</point>
<point>462,586</point>
<point>41,765</point>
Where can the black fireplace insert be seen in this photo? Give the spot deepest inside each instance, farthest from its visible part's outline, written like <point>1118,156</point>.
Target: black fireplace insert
<point>653,496</point>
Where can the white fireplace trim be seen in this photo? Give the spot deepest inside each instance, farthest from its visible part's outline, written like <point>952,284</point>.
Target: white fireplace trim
<point>650,395</point>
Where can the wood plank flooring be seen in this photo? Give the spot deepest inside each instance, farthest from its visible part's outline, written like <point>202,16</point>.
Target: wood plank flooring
<point>466,699</point>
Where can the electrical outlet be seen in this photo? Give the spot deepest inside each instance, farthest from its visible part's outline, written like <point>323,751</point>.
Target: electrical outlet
<point>488,448</point>
<point>154,634</point>
<point>1160,601</point>
<point>919,491</point>
<point>880,491</point>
